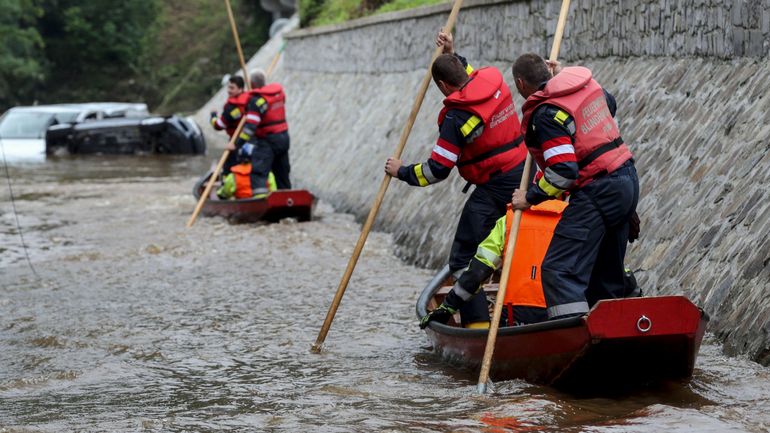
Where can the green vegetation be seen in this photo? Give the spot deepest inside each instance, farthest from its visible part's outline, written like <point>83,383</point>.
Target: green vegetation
<point>21,50</point>
<point>323,12</point>
<point>171,53</point>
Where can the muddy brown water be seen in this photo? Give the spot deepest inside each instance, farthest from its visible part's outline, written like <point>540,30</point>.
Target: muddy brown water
<point>138,324</point>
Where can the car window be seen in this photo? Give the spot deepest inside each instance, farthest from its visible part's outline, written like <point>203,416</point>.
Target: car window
<point>25,124</point>
<point>66,117</point>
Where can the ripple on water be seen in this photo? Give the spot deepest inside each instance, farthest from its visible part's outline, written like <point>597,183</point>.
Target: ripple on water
<point>142,324</point>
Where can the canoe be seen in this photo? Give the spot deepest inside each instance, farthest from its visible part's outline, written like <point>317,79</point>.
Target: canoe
<point>285,203</point>
<point>620,343</point>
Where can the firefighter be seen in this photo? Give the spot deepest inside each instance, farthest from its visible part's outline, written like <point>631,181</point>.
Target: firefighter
<point>233,111</point>
<point>240,183</point>
<point>524,302</point>
<point>267,131</point>
<point>479,132</point>
<point>569,127</point>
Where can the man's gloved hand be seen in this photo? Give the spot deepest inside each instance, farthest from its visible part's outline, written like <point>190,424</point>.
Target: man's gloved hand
<point>442,314</point>
<point>633,227</point>
<point>213,114</point>
<point>245,152</point>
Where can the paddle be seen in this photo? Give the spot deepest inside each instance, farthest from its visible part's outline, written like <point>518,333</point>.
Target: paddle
<point>510,247</point>
<point>383,188</point>
<point>226,153</point>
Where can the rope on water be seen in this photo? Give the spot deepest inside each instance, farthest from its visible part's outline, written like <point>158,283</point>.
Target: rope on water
<point>15,214</point>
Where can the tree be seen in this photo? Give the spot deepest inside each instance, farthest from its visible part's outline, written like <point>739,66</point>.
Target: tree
<point>94,44</point>
<point>21,52</point>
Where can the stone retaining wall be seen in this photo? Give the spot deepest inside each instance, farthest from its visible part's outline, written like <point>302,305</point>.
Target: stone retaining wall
<point>690,77</point>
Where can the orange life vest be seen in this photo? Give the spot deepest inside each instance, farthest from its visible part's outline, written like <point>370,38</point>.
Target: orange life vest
<point>500,147</point>
<point>598,146</point>
<point>535,232</point>
<point>274,120</point>
<point>242,173</point>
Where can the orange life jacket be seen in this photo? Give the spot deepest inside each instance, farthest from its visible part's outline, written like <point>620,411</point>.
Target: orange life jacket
<point>242,173</point>
<point>535,232</point>
<point>598,146</point>
<point>274,120</point>
<point>500,147</point>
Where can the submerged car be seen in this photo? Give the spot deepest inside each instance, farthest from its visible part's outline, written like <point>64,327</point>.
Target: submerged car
<point>23,129</point>
<point>149,134</point>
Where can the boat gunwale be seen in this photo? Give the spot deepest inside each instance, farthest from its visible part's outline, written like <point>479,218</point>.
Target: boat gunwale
<point>198,188</point>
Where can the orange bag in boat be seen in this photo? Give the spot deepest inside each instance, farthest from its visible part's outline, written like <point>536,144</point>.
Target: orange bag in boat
<point>535,233</point>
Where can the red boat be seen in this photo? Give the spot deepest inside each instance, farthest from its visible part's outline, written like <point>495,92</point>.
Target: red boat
<point>620,343</point>
<point>284,203</point>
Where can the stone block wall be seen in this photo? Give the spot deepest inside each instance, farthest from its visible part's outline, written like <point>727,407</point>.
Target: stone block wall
<point>690,77</point>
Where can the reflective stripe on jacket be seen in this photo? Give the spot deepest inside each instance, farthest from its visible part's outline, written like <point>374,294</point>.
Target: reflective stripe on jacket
<point>597,143</point>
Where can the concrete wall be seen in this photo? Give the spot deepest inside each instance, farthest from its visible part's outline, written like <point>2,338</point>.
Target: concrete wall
<point>690,77</point>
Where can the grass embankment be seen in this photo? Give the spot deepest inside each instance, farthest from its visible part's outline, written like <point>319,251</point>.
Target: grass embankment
<point>324,12</point>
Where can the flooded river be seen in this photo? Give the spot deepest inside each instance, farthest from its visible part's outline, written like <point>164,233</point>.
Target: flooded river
<point>135,323</point>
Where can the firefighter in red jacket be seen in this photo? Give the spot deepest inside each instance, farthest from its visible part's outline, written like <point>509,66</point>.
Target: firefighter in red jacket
<point>569,128</point>
<point>479,132</point>
<point>233,111</point>
<point>266,129</point>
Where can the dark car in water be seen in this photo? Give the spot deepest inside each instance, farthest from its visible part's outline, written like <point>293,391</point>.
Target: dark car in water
<point>23,129</point>
<point>151,134</point>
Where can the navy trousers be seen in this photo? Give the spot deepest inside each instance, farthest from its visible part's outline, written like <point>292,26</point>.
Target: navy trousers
<point>486,204</point>
<point>271,153</point>
<point>584,262</point>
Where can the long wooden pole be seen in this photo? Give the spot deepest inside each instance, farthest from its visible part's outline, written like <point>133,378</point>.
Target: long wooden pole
<point>510,247</point>
<point>226,153</point>
<point>233,27</point>
<point>274,62</point>
<point>383,188</point>
<point>213,178</point>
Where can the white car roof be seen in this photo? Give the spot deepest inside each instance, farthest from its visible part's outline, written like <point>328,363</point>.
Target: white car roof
<point>107,107</point>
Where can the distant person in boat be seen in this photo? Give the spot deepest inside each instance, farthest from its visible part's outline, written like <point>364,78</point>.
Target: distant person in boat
<point>571,133</point>
<point>267,131</point>
<point>240,183</point>
<point>524,301</point>
<point>233,111</point>
<point>479,132</point>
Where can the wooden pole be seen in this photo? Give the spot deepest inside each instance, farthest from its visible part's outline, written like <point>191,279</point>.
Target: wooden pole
<point>214,174</point>
<point>226,153</point>
<point>383,188</point>
<point>274,62</point>
<point>510,247</point>
<point>238,45</point>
